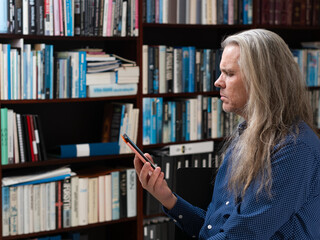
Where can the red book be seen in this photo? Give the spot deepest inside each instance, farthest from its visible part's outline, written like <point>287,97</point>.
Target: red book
<point>59,204</point>
<point>30,138</point>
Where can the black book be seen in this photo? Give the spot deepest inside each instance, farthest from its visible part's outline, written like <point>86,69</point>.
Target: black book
<point>11,16</point>
<point>32,17</point>
<point>77,18</point>
<point>21,138</point>
<point>169,69</point>
<point>39,17</point>
<point>43,151</point>
<point>150,68</point>
<point>123,194</point>
<point>179,121</point>
<point>18,16</point>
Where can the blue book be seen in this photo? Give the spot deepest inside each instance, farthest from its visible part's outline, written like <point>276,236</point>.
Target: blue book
<point>82,74</point>
<point>160,11</point>
<point>208,67</point>
<point>185,69</point>
<point>48,83</point>
<point>83,150</point>
<point>172,110</point>
<point>30,77</point>
<point>225,11</point>
<point>148,11</point>
<point>312,68</point>
<point>8,50</point>
<point>192,65</point>
<point>153,122</point>
<point>5,211</point>
<point>188,120</point>
<point>115,178</point>
<point>209,135</point>
<point>146,117</point>
<point>245,12</point>
<point>45,180</point>
<point>159,119</point>
<point>4,16</point>
<point>69,18</point>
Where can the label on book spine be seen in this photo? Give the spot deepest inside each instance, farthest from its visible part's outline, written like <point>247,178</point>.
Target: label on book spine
<point>83,150</point>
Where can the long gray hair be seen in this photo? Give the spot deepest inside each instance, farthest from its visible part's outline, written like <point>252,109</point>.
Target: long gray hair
<point>277,101</point>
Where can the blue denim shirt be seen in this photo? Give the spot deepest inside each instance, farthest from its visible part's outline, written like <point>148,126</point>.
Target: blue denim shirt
<point>293,211</point>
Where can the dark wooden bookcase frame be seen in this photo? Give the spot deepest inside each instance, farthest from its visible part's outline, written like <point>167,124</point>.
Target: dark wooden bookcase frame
<point>82,116</point>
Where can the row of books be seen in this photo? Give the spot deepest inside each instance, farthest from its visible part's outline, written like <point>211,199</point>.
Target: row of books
<point>21,138</point>
<point>37,72</point>
<point>120,118</point>
<point>198,156</point>
<point>308,60</point>
<point>289,12</point>
<point>185,120</point>
<point>70,18</point>
<point>179,69</point>
<point>161,228</point>
<point>198,11</point>
<point>78,199</point>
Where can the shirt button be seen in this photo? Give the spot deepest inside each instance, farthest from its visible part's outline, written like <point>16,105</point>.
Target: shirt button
<point>193,236</point>
<point>227,202</point>
<point>209,227</point>
<point>180,216</point>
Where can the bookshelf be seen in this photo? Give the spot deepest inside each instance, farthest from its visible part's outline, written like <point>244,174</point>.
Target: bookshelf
<point>75,120</point>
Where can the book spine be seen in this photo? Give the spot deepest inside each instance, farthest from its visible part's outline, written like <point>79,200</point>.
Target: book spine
<point>82,75</point>
<point>4,136</point>
<point>66,198</point>
<point>115,195</point>
<point>5,210</point>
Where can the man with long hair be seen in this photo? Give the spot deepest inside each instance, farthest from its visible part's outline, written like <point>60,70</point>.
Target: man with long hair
<point>268,185</point>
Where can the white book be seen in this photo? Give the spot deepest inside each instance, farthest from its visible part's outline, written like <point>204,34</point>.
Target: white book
<point>165,11</point>
<point>214,118</point>
<point>36,208</point>
<point>124,19</point>
<point>93,200</point>
<point>26,213</point>
<point>52,207</point>
<point>1,73</point>
<point>31,208</point>
<point>74,201</point>
<point>145,69</point>
<point>108,198</point>
<point>25,17</point>
<point>131,193</point>
<point>20,209</point>
<point>188,11</point>
<point>193,119</point>
<point>13,221</point>
<point>83,201</point>
<point>193,12</point>
<point>101,199</point>
<point>214,11</point>
<point>10,136</point>
<point>191,148</point>
<point>101,78</point>
<point>105,18</point>
<point>43,207</point>
<point>162,69</point>
<point>5,71</point>
<point>204,11</point>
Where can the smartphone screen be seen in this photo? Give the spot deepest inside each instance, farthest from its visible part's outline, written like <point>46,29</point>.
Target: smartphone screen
<point>136,150</point>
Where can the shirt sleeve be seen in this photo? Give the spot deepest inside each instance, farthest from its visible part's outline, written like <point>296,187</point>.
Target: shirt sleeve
<point>260,216</point>
<point>186,216</point>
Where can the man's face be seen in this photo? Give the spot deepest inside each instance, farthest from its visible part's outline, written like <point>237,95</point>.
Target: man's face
<point>232,90</point>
